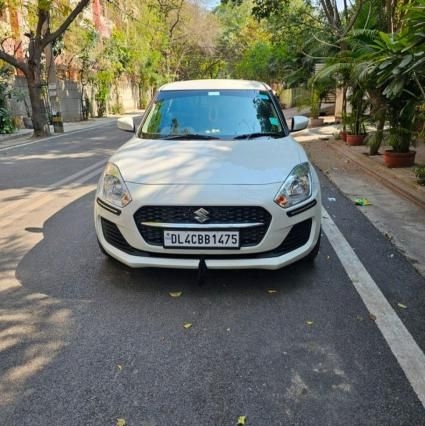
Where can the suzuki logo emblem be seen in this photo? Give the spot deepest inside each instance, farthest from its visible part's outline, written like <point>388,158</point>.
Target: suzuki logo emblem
<point>201,215</point>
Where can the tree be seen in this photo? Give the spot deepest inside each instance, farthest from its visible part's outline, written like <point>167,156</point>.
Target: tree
<point>241,38</point>
<point>395,63</point>
<point>374,57</point>
<point>40,36</point>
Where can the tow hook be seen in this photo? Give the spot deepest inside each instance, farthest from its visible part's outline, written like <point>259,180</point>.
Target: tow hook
<point>202,271</point>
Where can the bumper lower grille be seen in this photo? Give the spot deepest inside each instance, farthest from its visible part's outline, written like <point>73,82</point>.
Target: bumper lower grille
<point>297,237</point>
<point>217,215</point>
<point>114,237</point>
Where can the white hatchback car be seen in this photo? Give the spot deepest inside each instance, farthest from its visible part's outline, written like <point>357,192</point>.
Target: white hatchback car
<point>211,178</point>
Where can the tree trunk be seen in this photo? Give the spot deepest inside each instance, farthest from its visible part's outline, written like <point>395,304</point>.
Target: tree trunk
<point>39,38</point>
<point>38,109</point>
<point>379,113</point>
<point>374,147</point>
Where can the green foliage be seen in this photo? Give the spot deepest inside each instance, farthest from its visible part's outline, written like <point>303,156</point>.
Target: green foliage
<point>359,104</point>
<point>256,62</point>
<point>6,123</point>
<point>243,39</point>
<point>117,109</point>
<point>395,65</point>
<point>103,82</point>
<point>266,8</point>
<point>420,174</point>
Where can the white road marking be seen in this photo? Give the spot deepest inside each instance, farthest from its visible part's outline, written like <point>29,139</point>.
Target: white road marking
<point>407,352</point>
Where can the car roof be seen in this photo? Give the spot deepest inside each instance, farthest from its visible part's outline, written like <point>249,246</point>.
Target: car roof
<point>215,84</point>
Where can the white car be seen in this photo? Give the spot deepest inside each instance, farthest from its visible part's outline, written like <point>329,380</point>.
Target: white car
<point>211,178</point>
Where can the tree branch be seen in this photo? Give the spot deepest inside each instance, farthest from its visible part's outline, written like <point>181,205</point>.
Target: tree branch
<point>353,18</point>
<point>17,47</point>
<point>65,24</point>
<point>176,21</point>
<point>14,62</point>
<point>327,8</point>
<point>42,23</point>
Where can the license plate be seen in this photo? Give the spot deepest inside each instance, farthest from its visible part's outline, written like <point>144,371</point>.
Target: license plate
<point>201,239</point>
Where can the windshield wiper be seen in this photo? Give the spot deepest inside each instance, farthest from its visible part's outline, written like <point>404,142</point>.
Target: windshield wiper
<point>190,136</point>
<point>259,135</point>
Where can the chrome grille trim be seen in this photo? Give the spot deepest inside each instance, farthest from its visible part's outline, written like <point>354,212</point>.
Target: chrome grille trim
<point>204,226</point>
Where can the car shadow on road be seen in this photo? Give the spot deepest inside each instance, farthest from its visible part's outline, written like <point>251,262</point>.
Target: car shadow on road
<point>67,263</point>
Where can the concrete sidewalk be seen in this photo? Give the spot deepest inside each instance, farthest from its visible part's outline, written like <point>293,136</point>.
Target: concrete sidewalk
<point>397,201</point>
<point>403,180</point>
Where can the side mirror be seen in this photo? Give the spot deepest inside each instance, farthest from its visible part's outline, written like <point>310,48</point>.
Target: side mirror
<point>299,122</point>
<point>126,124</point>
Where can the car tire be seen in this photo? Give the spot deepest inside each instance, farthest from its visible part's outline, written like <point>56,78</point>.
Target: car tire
<point>314,252</point>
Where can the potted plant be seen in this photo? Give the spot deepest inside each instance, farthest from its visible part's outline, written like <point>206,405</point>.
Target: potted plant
<point>356,130</point>
<point>344,121</point>
<point>420,174</point>
<point>401,135</point>
<point>315,103</point>
<point>319,86</point>
<point>395,61</point>
<point>357,117</point>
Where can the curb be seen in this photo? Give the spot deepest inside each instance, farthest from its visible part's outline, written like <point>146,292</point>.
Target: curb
<point>26,136</point>
<point>23,133</point>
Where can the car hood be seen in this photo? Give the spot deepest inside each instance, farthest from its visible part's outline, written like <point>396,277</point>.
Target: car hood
<point>208,162</point>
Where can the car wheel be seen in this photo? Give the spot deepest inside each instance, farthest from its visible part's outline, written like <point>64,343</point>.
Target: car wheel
<point>312,255</point>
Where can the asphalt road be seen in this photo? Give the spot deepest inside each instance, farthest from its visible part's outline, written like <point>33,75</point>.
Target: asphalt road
<point>86,341</point>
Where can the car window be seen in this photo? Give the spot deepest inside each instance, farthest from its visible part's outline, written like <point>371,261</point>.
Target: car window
<point>211,113</point>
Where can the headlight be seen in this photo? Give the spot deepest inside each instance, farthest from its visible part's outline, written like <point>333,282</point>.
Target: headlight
<point>112,187</point>
<point>296,188</point>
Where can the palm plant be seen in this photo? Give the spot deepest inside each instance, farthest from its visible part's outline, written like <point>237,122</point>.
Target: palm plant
<point>396,63</point>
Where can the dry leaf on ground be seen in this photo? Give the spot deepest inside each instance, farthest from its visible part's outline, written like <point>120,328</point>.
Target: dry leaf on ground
<point>187,325</point>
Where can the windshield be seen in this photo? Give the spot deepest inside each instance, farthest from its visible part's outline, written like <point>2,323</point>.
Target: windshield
<point>212,114</point>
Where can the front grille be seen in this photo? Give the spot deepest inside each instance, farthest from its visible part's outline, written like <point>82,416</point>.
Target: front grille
<point>217,215</point>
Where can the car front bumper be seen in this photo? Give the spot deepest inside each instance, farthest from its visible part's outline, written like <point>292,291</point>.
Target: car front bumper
<point>133,250</point>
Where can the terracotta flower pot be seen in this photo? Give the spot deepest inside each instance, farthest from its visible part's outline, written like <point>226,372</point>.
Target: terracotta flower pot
<point>355,140</point>
<point>343,135</point>
<point>316,122</point>
<point>399,159</point>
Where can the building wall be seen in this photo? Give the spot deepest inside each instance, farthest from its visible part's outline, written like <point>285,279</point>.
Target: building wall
<point>69,93</point>
<point>126,94</point>
<point>291,98</point>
